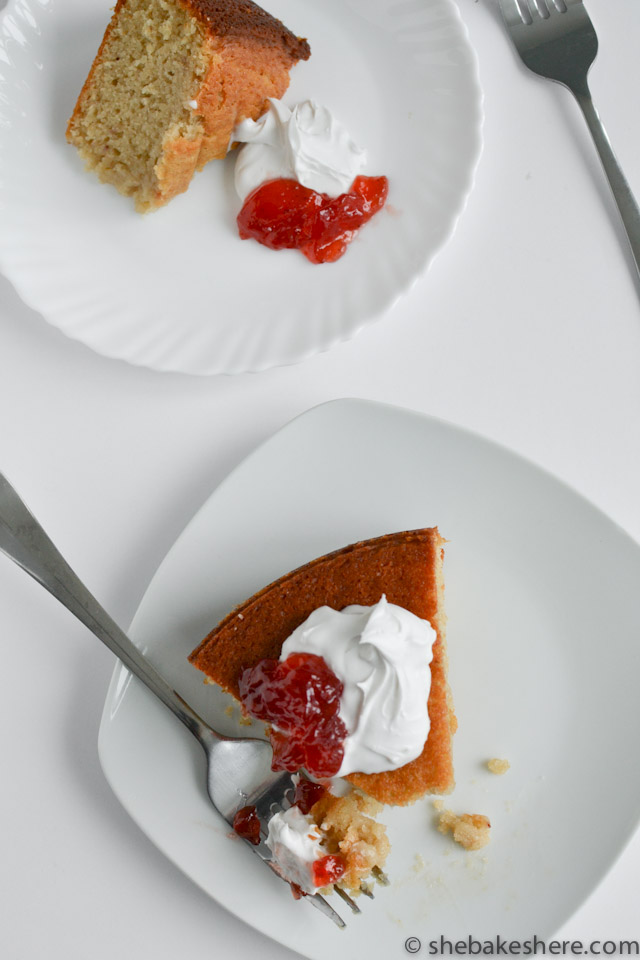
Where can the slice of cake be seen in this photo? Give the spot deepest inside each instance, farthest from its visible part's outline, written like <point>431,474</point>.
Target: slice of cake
<point>405,567</point>
<point>169,83</point>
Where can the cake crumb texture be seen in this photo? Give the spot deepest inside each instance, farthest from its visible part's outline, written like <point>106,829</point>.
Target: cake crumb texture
<point>168,85</point>
<point>350,830</point>
<point>497,766</point>
<point>470,830</point>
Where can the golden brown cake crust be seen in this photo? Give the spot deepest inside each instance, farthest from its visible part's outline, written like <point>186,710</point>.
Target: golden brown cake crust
<point>246,20</point>
<point>404,566</point>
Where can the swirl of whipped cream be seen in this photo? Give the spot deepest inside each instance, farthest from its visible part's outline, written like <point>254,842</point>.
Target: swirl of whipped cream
<point>382,655</point>
<point>306,144</point>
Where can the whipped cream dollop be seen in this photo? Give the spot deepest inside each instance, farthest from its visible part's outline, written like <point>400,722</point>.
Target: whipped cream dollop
<point>382,655</point>
<point>294,841</point>
<point>306,144</point>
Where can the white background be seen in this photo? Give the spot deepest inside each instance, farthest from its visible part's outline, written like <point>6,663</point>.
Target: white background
<point>526,329</point>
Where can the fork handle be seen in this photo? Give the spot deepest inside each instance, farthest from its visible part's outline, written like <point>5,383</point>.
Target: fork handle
<point>620,188</point>
<point>25,542</point>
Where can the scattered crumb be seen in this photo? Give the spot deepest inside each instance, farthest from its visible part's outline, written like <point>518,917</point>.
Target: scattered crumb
<point>498,766</point>
<point>470,830</point>
<point>418,863</point>
<point>438,804</point>
<point>229,710</point>
<point>245,721</point>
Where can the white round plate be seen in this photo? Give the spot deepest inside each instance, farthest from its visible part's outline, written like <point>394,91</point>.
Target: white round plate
<point>177,289</point>
<point>544,620</point>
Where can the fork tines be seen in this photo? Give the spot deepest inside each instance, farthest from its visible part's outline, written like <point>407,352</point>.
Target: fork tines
<point>347,899</point>
<point>541,8</point>
<point>532,11</point>
<point>321,904</point>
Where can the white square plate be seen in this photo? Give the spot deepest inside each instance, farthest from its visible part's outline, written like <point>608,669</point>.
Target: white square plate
<point>544,624</point>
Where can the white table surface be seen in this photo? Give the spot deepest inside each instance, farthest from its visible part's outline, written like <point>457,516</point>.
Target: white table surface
<point>526,329</point>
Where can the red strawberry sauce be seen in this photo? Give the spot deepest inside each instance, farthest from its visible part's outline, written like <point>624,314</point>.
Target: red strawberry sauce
<point>300,697</point>
<point>327,870</point>
<point>247,825</point>
<point>282,214</point>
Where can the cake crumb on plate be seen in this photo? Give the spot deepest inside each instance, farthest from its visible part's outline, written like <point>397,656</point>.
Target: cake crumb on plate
<point>495,765</point>
<point>470,830</point>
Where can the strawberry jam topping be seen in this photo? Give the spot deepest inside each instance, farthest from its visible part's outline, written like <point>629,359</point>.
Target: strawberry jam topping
<point>247,825</point>
<point>307,793</point>
<point>300,697</point>
<point>282,214</point>
<point>327,870</point>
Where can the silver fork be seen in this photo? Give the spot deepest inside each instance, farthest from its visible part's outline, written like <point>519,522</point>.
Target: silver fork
<point>238,770</point>
<point>556,39</point>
